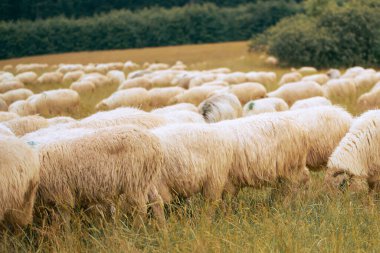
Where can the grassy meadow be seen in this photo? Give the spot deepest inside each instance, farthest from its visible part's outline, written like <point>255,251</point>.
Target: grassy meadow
<point>310,221</point>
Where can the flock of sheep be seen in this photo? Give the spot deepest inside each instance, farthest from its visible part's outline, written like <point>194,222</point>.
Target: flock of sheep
<point>169,132</point>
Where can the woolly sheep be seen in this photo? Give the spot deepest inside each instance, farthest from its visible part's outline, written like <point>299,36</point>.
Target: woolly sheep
<point>307,70</point>
<point>200,79</point>
<point>355,163</point>
<point>138,82</point>
<point>369,100</point>
<point>124,162</point>
<point>318,78</point>
<point>365,81</point>
<point>10,85</point>
<point>23,125</point>
<point>14,95</point>
<point>248,91</point>
<point>83,87</point>
<point>5,131</point>
<point>265,78</point>
<point>181,116</point>
<point>27,77</point>
<point>221,106</point>
<point>264,105</point>
<point>3,105</point>
<point>325,126</point>
<point>116,76</point>
<point>176,107</point>
<point>271,60</point>
<point>292,92</point>
<point>60,120</point>
<point>195,95</point>
<point>333,73</point>
<point>19,167</point>
<point>162,78</point>
<point>6,76</point>
<point>310,102</point>
<point>50,77</point>
<point>72,76</point>
<point>20,68</point>
<point>234,78</point>
<point>96,78</point>
<point>134,97</point>
<point>54,101</point>
<point>5,116</point>
<point>129,65</point>
<point>216,83</point>
<point>160,97</point>
<point>22,108</point>
<point>340,89</point>
<point>66,68</point>
<point>138,73</point>
<point>290,78</point>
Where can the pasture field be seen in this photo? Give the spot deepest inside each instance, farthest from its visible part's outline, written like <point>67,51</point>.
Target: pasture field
<point>313,220</point>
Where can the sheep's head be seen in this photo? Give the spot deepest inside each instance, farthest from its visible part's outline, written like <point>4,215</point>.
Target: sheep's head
<point>338,179</point>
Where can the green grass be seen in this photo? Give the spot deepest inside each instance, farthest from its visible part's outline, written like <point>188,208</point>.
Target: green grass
<point>310,221</point>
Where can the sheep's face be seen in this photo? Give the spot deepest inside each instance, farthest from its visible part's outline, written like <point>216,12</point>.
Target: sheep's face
<point>338,179</point>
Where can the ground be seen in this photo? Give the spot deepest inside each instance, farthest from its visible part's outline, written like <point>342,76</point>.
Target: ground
<point>313,220</point>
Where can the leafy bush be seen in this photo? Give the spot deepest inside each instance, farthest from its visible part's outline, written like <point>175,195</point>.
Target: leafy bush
<point>341,36</point>
<point>145,28</point>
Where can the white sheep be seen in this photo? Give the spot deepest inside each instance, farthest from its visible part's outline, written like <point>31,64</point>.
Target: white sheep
<point>221,106</point>
<point>5,116</point>
<point>195,95</point>
<point>248,91</point>
<point>14,95</point>
<point>176,107</point>
<point>72,76</point>
<point>291,77</point>
<point>160,97</point>
<point>340,89</point>
<point>355,163</point>
<point>23,125</point>
<point>138,82</point>
<point>27,77</point>
<point>83,87</point>
<point>134,97</point>
<point>333,73</point>
<point>22,108</point>
<point>10,85</point>
<point>264,105</point>
<point>318,78</point>
<point>50,78</point>
<point>116,76</point>
<point>265,78</point>
<point>310,102</point>
<point>307,70</point>
<point>369,100</point>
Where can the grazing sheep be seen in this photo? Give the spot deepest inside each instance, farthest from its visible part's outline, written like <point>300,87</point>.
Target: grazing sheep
<point>265,78</point>
<point>5,116</point>
<point>369,100</point>
<point>234,78</point>
<point>221,106</point>
<point>195,95</point>
<point>66,68</point>
<point>3,105</point>
<point>365,81</point>
<point>325,126</point>
<point>50,77</point>
<point>22,108</point>
<point>129,66</point>
<point>248,91</point>
<point>307,70</point>
<point>138,82</point>
<point>83,87</point>
<point>200,79</point>
<point>264,105</point>
<point>27,77</point>
<point>290,78</point>
<point>176,107</point>
<point>23,125</point>
<point>355,163</point>
<point>54,101</point>
<point>340,89</point>
<point>96,78</point>
<point>116,76</point>
<point>333,73</point>
<point>162,78</point>
<point>292,92</point>
<point>310,102</point>
<point>271,60</point>
<point>73,76</point>
<point>160,97</point>
<point>134,97</point>
<point>124,161</point>
<point>318,78</point>
<point>19,168</point>
<point>10,85</point>
<point>14,95</point>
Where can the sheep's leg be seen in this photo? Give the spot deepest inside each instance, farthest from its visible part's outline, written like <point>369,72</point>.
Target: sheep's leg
<point>230,195</point>
<point>157,205</point>
<point>139,212</point>
<point>212,192</point>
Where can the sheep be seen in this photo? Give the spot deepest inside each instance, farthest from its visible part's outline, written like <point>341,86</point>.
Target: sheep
<point>83,87</point>
<point>342,89</point>
<point>162,78</point>
<point>54,101</point>
<point>138,82</point>
<point>66,68</point>
<point>248,91</point>
<point>181,116</point>
<point>60,120</point>
<point>310,102</point>
<point>369,100</point>
<point>325,126</point>
<point>5,131</point>
<point>179,66</point>
<point>200,79</point>
<point>6,76</point>
<point>10,85</point>
<point>129,65</point>
<point>292,92</point>
<point>355,163</point>
<point>14,95</point>
<point>27,77</point>
<point>124,162</point>
<point>216,83</point>
<point>158,66</point>
<point>307,70</point>
<point>160,97</point>
<point>134,97</point>
<point>221,106</point>
<point>234,78</point>
<point>290,78</point>
<point>22,108</point>
<point>72,76</point>
<point>20,68</point>
<point>265,78</point>
<point>176,107</point>
<point>96,78</point>
<point>3,105</point>
<point>183,79</point>
<point>50,78</point>
<point>138,73</point>
<point>264,105</point>
<point>5,116</point>
<point>19,166</point>
<point>195,95</point>
<point>318,78</point>
<point>333,73</point>
<point>24,125</point>
<point>116,76</point>
<point>271,60</point>
<point>365,81</point>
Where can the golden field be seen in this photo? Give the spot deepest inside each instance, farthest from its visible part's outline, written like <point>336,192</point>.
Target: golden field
<point>311,221</point>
